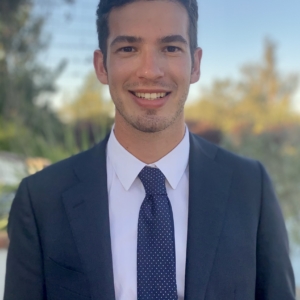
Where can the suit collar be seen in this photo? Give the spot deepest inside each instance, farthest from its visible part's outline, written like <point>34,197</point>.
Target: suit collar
<point>208,195</point>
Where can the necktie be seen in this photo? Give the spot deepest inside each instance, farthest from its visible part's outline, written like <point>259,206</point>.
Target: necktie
<point>156,271</point>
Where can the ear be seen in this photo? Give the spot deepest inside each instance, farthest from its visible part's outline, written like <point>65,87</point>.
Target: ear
<point>100,67</point>
<point>196,66</point>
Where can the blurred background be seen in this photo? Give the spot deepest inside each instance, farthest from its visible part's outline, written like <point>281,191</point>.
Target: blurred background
<point>248,98</point>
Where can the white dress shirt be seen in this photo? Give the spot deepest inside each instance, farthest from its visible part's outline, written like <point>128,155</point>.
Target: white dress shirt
<point>126,194</point>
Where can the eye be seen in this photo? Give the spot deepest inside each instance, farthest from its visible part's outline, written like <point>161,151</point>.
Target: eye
<point>126,49</point>
<point>172,49</point>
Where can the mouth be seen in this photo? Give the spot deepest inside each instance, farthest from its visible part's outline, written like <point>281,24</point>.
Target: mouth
<point>150,96</point>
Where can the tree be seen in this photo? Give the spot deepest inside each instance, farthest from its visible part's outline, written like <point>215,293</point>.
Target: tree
<point>23,79</point>
<point>89,105</point>
<point>90,115</point>
<point>259,100</point>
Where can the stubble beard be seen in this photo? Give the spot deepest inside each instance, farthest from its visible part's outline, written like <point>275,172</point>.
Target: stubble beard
<point>149,121</point>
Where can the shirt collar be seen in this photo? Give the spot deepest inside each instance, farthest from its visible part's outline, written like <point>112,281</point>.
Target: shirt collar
<point>127,166</point>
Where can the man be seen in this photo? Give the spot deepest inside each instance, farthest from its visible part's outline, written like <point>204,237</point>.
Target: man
<point>152,212</point>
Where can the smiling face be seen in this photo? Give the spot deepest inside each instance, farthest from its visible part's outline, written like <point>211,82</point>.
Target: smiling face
<point>149,65</point>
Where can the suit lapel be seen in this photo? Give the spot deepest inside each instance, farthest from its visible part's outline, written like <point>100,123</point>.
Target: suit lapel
<point>86,205</point>
<point>208,193</point>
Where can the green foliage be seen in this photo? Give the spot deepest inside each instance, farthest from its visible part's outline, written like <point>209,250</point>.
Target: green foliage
<point>260,99</point>
<point>23,80</point>
<point>27,127</point>
<point>89,114</point>
<point>89,105</point>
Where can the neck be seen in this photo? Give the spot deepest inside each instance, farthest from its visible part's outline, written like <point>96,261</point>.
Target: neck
<point>149,147</point>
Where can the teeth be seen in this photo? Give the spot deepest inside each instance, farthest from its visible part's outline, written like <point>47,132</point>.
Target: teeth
<point>150,96</point>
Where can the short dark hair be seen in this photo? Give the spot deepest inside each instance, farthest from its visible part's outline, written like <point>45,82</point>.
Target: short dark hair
<point>105,7</point>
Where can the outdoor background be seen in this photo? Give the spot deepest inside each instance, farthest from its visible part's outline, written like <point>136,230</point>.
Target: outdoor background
<point>248,98</point>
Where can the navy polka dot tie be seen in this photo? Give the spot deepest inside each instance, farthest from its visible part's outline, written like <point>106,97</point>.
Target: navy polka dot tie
<point>156,270</point>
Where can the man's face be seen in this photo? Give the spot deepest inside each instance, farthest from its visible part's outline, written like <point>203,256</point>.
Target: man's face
<point>149,66</point>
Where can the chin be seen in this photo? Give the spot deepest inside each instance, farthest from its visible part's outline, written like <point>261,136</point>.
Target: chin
<point>151,124</point>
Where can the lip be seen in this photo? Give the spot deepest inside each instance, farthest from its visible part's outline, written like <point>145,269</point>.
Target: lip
<point>150,104</point>
<point>150,91</point>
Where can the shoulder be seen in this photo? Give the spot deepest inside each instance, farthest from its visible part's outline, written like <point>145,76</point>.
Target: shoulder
<point>222,156</point>
<point>59,177</point>
<point>246,174</point>
<point>57,173</point>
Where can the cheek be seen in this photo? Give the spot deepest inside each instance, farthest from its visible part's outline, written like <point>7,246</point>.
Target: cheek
<point>180,69</point>
<point>118,73</point>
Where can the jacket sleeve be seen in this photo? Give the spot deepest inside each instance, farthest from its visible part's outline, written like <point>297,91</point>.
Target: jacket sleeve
<point>275,278</point>
<point>24,273</point>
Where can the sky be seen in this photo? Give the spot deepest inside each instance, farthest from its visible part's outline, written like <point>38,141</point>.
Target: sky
<point>231,33</point>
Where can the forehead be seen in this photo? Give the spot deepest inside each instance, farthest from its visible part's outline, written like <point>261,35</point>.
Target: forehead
<point>149,19</point>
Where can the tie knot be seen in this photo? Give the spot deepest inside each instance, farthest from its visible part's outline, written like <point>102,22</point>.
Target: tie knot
<point>153,181</point>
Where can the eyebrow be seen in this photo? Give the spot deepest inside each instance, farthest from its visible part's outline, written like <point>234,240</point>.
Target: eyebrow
<point>134,39</point>
<point>173,38</point>
<point>126,39</point>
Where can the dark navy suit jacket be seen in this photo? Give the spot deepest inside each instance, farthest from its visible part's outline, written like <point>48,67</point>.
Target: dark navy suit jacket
<point>237,247</point>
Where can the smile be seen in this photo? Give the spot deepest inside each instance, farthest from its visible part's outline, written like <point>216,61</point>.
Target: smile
<point>150,96</point>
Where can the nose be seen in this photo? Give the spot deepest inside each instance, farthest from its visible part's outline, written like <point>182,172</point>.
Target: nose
<point>150,65</point>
